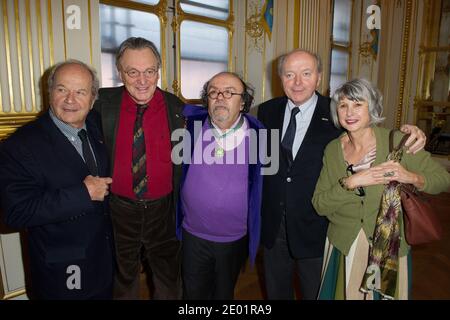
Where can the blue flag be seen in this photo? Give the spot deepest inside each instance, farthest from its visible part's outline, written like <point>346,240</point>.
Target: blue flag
<point>267,19</point>
<point>374,43</point>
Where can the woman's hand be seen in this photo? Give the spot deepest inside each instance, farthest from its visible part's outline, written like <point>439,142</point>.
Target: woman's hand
<point>364,178</point>
<point>394,171</point>
<point>383,174</point>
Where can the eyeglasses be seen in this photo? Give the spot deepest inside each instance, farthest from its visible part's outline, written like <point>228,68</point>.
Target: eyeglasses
<point>149,73</point>
<point>360,190</point>
<point>227,94</point>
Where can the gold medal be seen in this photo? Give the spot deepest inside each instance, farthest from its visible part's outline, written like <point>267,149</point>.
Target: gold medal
<point>219,152</point>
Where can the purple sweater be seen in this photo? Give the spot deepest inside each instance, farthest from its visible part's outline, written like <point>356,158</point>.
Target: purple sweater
<point>195,113</point>
<point>215,196</point>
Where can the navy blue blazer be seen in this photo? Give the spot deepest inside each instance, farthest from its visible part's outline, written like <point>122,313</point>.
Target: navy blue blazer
<point>290,191</point>
<point>42,190</point>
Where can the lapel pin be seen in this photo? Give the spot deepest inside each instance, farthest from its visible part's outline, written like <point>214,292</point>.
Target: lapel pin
<point>324,119</point>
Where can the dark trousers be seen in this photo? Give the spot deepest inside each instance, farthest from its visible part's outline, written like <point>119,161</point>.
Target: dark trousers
<point>146,230</point>
<point>279,268</point>
<point>211,269</point>
<point>105,294</point>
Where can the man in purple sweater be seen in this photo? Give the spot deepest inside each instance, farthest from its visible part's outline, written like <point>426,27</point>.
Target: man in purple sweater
<point>218,213</point>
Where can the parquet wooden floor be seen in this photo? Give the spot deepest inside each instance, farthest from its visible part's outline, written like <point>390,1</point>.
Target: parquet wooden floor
<point>431,266</point>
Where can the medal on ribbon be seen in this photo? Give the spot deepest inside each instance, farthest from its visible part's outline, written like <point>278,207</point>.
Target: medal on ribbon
<point>219,152</point>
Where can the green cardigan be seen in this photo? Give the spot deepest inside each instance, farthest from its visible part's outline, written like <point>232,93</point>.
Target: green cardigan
<point>348,212</point>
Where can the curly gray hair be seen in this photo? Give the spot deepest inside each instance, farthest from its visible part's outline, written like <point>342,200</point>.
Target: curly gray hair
<point>247,94</point>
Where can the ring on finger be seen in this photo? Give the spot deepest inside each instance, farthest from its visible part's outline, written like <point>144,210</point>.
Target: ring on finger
<point>389,174</point>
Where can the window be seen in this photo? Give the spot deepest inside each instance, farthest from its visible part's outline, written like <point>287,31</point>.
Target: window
<point>118,24</point>
<point>205,39</point>
<point>204,52</point>
<point>147,1</point>
<point>341,44</point>
<point>201,43</point>
<point>432,100</point>
<point>217,9</point>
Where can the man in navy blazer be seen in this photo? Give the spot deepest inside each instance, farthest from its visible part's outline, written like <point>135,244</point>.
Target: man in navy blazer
<point>292,233</point>
<point>54,183</point>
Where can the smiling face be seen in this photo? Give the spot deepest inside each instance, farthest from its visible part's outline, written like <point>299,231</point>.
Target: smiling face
<point>71,96</point>
<point>300,77</point>
<point>224,112</point>
<point>142,87</point>
<point>353,115</point>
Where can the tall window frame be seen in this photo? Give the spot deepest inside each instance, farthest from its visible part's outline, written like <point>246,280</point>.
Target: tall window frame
<point>180,17</point>
<point>340,47</point>
<point>159,10</point>
<point>171,74</point>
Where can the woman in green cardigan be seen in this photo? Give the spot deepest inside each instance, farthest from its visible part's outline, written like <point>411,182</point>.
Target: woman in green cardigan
<point>362,260</point>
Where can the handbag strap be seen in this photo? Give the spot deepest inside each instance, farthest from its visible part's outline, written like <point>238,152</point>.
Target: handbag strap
<point>403,187</point>
<point>391,141</point>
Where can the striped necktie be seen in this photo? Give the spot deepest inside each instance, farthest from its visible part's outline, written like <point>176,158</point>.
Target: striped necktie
<point>139,155</point>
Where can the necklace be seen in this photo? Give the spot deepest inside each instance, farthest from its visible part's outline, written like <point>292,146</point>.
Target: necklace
<point>219,151</point>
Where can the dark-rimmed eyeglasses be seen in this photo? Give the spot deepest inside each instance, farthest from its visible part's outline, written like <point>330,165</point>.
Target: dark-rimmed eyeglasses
<point>227,94</point>
<point>360,190</point>
<point>149,73</point>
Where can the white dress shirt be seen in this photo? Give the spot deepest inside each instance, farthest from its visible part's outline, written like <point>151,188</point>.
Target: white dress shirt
<point>303,119</point>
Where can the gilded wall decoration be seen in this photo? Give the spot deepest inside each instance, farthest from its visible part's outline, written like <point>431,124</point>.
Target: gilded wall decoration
<point>404,61</point>
<point>161,10</point>
<point>254,28</point>
<point>369,49</point>
<point>175,86</point>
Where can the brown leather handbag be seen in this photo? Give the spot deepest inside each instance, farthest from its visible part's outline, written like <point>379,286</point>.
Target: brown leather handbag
<point>421,221</point>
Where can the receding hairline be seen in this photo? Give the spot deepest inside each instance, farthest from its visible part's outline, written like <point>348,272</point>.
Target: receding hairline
<point>312,55</point>
<point>303,52</point>
<point>226,73</point>
<point>81,67</point>
<point>73,64</point>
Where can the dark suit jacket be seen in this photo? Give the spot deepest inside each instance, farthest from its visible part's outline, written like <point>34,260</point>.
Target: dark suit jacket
<point>108,105</point>
<point>306,230</point>
<point>42,189</point>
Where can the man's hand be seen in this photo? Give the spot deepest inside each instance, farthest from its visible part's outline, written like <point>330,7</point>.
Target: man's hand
<point>97,187</point>
<point>416,140</point>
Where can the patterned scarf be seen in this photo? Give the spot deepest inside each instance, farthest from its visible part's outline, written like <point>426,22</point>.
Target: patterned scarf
<point>381,272</point>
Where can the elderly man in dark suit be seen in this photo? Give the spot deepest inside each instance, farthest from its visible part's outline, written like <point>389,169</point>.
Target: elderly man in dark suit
<point>138,119</point>
<point>292,233</point>
<point>54,182</point>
